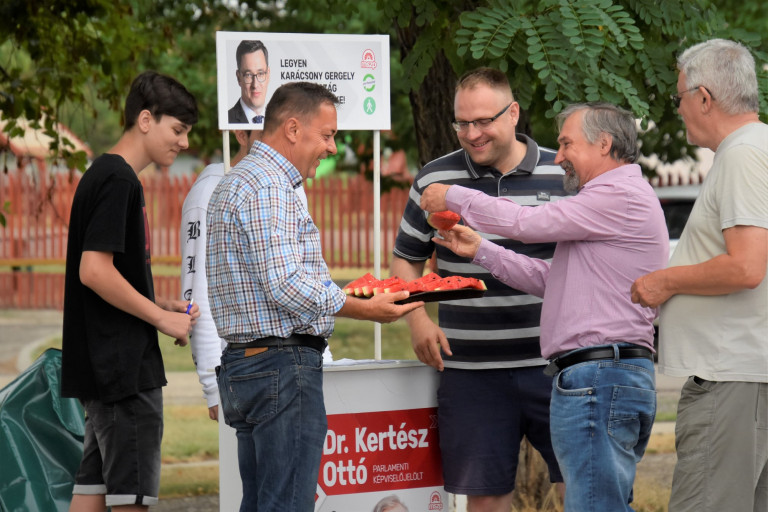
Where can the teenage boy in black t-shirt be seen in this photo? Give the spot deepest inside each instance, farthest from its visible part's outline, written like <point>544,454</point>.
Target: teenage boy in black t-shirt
<point>111,357</point>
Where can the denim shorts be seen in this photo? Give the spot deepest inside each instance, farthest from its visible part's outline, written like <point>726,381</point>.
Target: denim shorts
<point>121,449</point>
<point>601,417</point>
<point>483,415</point>
<point>274,401</point>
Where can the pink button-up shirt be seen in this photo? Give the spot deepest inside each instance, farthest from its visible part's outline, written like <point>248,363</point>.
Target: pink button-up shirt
<point>608,235</point>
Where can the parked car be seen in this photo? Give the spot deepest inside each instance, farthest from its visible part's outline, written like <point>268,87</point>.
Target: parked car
<point>676,202</point>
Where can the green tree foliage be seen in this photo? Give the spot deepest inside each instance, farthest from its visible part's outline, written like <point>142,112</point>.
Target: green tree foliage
<point>60,52</point>
<point>74,61</point>
<point>77,58</point>
<point>558,52</point>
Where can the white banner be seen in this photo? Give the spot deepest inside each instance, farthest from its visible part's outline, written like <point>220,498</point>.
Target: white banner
<point>382,440</point>
<point>354,67</point>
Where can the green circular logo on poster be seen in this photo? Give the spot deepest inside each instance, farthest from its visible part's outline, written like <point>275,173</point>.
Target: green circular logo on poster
<point>369,105</point>
<point>369,82</point>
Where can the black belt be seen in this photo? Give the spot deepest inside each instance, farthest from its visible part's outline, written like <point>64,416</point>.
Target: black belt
<point>582,356</point>
<point>294,340</point>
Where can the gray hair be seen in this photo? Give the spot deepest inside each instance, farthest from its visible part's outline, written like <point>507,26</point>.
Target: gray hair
<point>607,118</point>
<point>727,70</point>
<point>387,503</point>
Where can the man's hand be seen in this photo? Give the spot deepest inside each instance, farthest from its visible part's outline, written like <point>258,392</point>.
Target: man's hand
<point>384,310</point>
<point>648,290</point>
<point>433,198</point>
<point>427,339</point>
<point>213,412</point>
<point>462,240</point>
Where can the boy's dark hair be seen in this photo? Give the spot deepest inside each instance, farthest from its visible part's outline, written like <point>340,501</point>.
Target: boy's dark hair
<point>245,47</point>
<point>296,99</point>
<point>161,95</point>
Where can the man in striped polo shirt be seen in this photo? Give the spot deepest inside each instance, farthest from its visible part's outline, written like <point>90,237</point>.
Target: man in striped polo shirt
<point>492,388</point>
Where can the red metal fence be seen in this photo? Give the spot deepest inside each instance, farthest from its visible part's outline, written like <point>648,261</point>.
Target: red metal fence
<point>37,216</point>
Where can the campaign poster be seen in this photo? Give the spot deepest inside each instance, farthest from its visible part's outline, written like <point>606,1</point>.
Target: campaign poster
<point>251,65</point>
<point>382,440</point>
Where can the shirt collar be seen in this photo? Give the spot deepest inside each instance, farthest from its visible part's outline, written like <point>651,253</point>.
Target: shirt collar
<point>526,165</point>
<point>249,114</point>
<point>622,171</point>
<point>267,152</point>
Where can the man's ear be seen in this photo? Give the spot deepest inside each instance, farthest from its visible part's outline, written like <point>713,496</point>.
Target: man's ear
<point>514,112</point>
<point>606,141</point>
<point>144,121</point>
<point>242,137</point>
<point>706,101</point>
<point>292,129</point>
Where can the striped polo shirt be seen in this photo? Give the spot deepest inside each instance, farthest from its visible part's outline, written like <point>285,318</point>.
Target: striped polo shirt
<point>501,329</point>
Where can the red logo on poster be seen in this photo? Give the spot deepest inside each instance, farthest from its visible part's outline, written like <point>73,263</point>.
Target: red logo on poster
<point>435,502</point>
<point>369,60</point>
<point>381,451</point>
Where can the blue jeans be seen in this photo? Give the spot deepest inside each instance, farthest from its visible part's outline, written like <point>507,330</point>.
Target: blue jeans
<point>601,414</point>
<point>275,402</point>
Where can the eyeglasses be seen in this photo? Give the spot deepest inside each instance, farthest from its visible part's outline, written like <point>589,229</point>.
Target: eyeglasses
<point>248,76</point>
<point>480,124</point>
<point>676,98</point>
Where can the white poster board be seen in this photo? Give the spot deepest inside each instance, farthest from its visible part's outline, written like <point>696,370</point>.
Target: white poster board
<point>382,440</point>
<point>354,67</point>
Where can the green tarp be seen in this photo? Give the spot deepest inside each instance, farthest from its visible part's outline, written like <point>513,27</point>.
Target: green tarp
<point>41,439</point>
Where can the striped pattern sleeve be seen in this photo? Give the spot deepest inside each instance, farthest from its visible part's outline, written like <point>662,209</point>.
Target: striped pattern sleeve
<point>500,329</point>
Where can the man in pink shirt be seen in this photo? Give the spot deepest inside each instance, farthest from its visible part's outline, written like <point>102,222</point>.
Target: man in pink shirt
<point>599,343</point>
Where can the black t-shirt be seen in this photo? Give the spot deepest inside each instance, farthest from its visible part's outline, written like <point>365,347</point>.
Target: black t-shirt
<point>108,354</point>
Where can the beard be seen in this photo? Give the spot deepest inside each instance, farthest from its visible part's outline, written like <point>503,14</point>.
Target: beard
<point>570,179</point>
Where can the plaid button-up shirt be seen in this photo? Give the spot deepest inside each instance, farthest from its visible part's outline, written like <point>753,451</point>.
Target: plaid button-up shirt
<point>265,269</point>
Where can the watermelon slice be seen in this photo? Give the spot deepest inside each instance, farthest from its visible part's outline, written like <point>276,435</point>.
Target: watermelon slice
<point>429,278</point>
<point>444,220</point>
<point>424,283</point>
<point>460,282</point>
<point>403,285</point>
<point>477,284</point>
<point>358,283</point>
<point>393,284</point>
<point>369,289</point>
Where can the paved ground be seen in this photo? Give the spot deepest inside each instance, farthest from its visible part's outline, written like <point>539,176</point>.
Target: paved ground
<point>22,330</point>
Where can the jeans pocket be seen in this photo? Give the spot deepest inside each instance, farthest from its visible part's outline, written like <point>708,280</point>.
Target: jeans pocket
<point>577,380</point>
<point>310,359</point>
<point>252,397</point>
<point>631,416</point>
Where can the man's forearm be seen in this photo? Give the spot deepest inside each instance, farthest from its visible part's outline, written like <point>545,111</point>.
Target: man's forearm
<point>742,267</point>
<point>713,277</point>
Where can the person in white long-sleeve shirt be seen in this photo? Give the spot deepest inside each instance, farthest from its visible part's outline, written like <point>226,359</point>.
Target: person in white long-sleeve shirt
<point>204,340</point>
